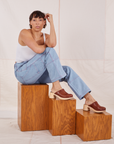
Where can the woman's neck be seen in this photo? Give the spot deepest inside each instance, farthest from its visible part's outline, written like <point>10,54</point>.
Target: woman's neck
<point>36,34</point>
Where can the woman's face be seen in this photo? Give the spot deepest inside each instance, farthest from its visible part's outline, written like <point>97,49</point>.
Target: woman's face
<point>37,23</point>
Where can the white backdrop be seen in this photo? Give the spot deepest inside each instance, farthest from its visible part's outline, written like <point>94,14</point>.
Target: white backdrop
<point>85,42</point>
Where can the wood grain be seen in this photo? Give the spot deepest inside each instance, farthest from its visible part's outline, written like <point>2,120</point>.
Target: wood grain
<point>93,126</point>
<point>33,107</point>
<point>62,116</point>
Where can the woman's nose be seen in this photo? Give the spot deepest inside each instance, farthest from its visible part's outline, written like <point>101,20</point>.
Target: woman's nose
<point>37,22</point>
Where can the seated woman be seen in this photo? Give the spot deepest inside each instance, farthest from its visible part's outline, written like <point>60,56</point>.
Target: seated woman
<point>37,63</point>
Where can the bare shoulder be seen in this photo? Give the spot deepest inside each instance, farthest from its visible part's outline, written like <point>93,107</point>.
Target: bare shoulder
<point>23,32</point>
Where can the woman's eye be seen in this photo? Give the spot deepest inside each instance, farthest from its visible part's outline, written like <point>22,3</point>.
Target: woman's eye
<point>40,20</point>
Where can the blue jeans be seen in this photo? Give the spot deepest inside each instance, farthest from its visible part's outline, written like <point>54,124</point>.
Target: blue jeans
<point>46,68</point>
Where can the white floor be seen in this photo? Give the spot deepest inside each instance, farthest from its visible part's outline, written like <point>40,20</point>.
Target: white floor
<point>11,134</point>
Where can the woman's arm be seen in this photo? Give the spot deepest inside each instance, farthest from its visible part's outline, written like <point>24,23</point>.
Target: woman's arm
<point>51,39</point>
<point>27,38</point>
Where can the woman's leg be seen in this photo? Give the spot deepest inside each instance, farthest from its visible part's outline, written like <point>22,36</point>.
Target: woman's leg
<point>56,85</point>
<point>74,81</point>
<point>29,72</point>
<point>78,86</point>
<point>46,68</point>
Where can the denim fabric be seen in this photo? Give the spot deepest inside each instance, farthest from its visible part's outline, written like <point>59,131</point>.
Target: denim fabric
<point>46,68</point>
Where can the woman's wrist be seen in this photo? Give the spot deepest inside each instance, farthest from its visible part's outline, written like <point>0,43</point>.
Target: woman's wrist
<point>51,22</point>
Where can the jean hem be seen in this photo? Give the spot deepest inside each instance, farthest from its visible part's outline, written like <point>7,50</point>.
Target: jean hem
<point>84,94</point>
<point>57,79</point>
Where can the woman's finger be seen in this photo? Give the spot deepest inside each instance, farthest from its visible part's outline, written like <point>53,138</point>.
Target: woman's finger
<point>47,15</point>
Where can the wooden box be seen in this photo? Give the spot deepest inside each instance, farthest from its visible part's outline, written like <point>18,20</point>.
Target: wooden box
<point>62,115</point>
<point>93,126</point>
<point>33,107</point>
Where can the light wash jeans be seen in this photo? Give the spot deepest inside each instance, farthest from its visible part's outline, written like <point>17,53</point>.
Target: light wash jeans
<point>46,68</point>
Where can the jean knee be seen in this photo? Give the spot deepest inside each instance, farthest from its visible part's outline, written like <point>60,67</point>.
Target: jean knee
<point>52,53</point>
<point>50,49</point>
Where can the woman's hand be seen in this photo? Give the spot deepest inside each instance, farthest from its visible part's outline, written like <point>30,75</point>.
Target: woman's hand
<point>49,17</point>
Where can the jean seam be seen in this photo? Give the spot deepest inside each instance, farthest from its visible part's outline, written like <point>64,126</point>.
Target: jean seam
<point>80,96</point>
<point>75,88</point>
<point>42,61</point>
<point>30,64</point>
<point>73,79</point>
<point>56,78</point>
<point>54,64</point>
<point>23,79</point>
<point>71,84</point>
<point>27,70</point>
<point>32,77</point>
<point>36,69</point>
<point>52,61</point>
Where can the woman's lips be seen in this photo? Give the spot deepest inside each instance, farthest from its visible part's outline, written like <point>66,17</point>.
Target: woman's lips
<point>37,26</point>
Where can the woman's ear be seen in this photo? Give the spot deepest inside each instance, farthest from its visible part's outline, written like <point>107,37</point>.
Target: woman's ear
<point>44,22</point>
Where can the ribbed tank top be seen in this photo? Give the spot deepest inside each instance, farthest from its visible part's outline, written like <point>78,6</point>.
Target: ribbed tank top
<point>24,53</point>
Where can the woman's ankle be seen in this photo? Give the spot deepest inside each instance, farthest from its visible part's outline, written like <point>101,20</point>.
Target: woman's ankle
<point>88,102</point>
<point>87,96</point>
<point>89,99</point>
<point>56,89</point>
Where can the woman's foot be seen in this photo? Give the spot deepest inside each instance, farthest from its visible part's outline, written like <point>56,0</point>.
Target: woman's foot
<point>89,99</point>
<point>92,104</point>
<point>56,89</point>
<point>60,93</point>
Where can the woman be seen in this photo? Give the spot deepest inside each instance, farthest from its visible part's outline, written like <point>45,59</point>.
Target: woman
<point>38,63</point>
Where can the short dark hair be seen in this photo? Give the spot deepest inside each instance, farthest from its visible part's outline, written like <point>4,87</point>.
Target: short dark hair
<point>36,14</point>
